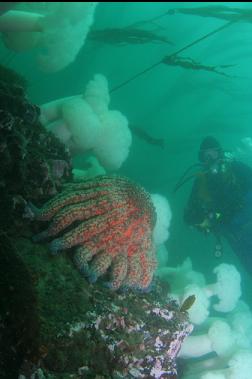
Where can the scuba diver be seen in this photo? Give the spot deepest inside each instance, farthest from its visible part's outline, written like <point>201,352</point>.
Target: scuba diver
<point>221,199</point>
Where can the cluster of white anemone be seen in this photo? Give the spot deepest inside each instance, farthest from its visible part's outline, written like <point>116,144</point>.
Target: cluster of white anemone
<point>221,346</point>
<point>55,32</point>
<point>85,124</point>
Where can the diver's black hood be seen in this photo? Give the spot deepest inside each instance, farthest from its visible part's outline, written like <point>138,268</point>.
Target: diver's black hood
<point>208,143</point>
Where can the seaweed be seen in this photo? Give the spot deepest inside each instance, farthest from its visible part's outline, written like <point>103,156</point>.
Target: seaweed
<point>191,64</point>
<point>223,12</point>
<point>127,36</point>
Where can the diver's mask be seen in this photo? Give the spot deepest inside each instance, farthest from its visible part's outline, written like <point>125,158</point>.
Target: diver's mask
<point>212,159</point>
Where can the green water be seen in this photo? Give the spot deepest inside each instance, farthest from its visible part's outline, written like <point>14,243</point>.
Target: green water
<point>178,105</point>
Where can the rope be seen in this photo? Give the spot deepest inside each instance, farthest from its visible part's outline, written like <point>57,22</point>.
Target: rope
<point>226,25</point>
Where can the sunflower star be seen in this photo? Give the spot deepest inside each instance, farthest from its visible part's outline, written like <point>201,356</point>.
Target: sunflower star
<point>109,220</point>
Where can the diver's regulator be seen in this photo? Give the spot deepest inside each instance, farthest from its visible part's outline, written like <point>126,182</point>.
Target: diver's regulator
<point>220,166</point>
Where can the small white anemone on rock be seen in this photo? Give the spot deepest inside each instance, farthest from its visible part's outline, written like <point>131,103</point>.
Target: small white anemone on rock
<point>227,288</point>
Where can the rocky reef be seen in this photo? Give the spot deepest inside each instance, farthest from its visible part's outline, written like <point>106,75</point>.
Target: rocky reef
<point>34,163</point>
<point>54,324</point>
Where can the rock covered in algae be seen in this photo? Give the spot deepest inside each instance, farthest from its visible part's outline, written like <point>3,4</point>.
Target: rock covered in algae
<point>64,327</point>
<point>34,163</point>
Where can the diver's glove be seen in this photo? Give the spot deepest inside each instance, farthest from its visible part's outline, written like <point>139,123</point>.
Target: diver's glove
<point>204,226</point>
<point>209,222</point>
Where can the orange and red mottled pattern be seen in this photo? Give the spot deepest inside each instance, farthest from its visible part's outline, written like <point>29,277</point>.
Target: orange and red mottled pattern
<point>66,198</point>
<point>109,221</point>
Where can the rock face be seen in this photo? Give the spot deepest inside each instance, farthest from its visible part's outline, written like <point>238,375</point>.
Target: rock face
<point>59,326</point>
<point>34,163</point>
<point>53,323</point>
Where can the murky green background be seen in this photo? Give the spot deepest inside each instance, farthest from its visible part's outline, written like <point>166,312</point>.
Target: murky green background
<point>179,105</point>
